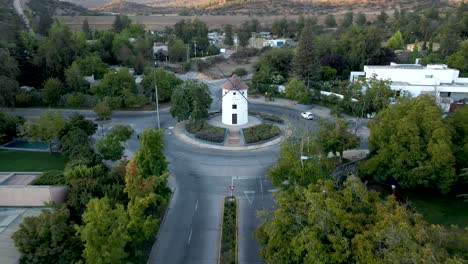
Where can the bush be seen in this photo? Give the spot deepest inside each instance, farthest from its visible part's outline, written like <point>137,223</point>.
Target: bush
<point>75,100</point>
<point>229,236</point>
<point>260,133</point>
<point>268,117</point>
<point>240,72</point>
<point>52,177</point>
<point>205,131</point>
<point>245,53</point>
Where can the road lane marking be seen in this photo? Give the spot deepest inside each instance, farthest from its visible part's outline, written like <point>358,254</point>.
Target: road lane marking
<point>196,206</point>
<point>246,193</point>
<point>272,190</point>
<point>261,187</point>
<point>190,236</point>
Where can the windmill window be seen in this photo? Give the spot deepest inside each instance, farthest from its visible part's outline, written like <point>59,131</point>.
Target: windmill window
<point>234,93</point>
<point>242,92</point>
<point>234,106</point>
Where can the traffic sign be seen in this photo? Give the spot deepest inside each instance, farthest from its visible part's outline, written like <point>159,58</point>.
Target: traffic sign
<point>231,187</point>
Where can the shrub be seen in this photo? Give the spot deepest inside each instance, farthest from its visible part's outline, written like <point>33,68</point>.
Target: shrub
<point>240,72</point>
<point>269,117</point>
<point>75,100</point>
<point>228,240</point>
<point>260,133</point>
<point>52,177</point>
<point>205,131</point>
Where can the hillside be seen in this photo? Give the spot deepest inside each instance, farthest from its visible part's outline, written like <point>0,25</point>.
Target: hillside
<point>257,7</point>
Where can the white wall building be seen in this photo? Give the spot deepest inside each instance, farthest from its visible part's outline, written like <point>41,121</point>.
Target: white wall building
<point>416,79</point>
<point>235,104</point>
<point>274,43</point>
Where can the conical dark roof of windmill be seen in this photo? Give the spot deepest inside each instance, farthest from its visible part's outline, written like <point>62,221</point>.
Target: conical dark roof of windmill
<point>234,83</point>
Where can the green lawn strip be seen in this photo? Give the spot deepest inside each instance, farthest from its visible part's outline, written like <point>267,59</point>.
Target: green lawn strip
<point>205,131</point>
<point>12,160</point>
<point>439,208</point>
<point>229,233</point>
<point>260,133</point>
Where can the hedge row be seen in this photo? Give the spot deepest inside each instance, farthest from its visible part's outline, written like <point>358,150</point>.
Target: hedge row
<point>205,131</point>
<point>260,133</point>
<point>228,239</point>
<point>268,117</point>
<point>52,177</point>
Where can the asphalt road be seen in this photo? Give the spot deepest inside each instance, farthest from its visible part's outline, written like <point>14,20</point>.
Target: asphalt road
<point>200,179</point>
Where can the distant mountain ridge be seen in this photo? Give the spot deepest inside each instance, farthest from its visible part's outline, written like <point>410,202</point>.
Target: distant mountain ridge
<point>258,7</point>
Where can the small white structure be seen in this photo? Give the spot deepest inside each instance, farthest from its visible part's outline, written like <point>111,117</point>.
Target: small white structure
<point>416,79</point>
<point>274,43</point>
<point>235,104</point>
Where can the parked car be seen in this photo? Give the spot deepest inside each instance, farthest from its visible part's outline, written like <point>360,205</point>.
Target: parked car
<point>308,115</point>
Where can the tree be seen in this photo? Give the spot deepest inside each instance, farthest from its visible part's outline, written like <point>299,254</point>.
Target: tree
<point>291,170</point>
<point>458,124</point>
<point>121,50</point>
<point>46,127</point>
<point>149,158</point>
<point>122,132</point>
<point>8,91</point>
<point>228,39</point>
<point>296,90</point>
<point>48,238</point>
<point>9,66</point>
<point>334,137</point>
<point>377,95</point>
<point>396,41</point>
<point>188,95</point>
<point>410,142</point>
<point>243,38</point>
<point>120,23</point>
<point>51,91</point>
<point>459,59</point>
<point>118,84</point>
<point>279,61</point>
<point>359,44</point>
<point>86,29</point>
<point>78,121</point>
<point>57,51</point>
<point>102,110</point>
<point>361,19</point>
<point>144,202</point>
<point>74,79</point>
<point>347,20</point>
<point>305,63</point>
<point>165,81</point>
<point>177,51</point>
<point>330,21</point>
<point>326,224</point>
<point>92,65</point>
<point>110,147</point>
<point>8,126</point>
<point>103,232</point>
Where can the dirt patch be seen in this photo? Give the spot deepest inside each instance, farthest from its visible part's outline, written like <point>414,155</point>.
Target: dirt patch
<point>228,66</point>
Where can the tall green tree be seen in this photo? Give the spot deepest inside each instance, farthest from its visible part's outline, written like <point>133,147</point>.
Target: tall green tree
<point>330,21</point>
<point>296,90</point>
<point>165,81</point>
<point>334,137</point>
<point>104,232</point>
<point>120,23</point>
<point>86,29</point>
<point>410,142</point>
<point>52,90</point>
<point>361,19</point>
<point>305,63</point>
<point>8,91</point>
<point>347,20</point>
<point>396,41</point>
<point>279,60</point>
<point>74,79</point>
<point>458,124</point>
<point>188,95</point>
<point>243,38</point>
<point>116,84</point>
<point>177,50</point>
<point>110,147</point>
<point>48,238</point>
<point>92,65</point>
<point>228,39</point>
<point>46,127</point>
<point>459,59</point>
<point>377,95</point>
<point>149,158</point>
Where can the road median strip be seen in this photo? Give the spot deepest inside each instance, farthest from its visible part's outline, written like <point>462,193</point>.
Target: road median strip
<point>228,247</point>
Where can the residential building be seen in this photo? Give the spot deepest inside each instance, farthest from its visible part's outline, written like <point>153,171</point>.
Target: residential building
<point>415,79</point>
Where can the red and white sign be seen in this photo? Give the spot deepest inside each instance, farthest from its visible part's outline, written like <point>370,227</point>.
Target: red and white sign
<point>231,187</point>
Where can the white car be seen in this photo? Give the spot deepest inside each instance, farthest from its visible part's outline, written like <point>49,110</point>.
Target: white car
<point>308,115</point>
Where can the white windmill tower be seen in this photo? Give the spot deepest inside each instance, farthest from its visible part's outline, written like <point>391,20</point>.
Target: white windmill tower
<point>235,103</point>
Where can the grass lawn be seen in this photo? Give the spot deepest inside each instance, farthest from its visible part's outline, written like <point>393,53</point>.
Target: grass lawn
<point>11,160</point>
<point>440,209</point>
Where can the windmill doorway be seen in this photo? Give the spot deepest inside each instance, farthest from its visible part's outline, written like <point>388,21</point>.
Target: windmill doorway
<point>234,119</point>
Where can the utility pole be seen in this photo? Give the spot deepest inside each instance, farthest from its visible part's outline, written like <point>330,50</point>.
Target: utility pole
<point>157,99</point>
<point>188,52</point>
<point>195,48</point>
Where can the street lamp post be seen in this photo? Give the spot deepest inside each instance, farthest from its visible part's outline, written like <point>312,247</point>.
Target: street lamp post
<point>157,100</point>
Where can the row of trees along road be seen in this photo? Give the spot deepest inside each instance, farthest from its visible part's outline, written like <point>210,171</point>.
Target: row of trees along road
<point>110,215</point>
